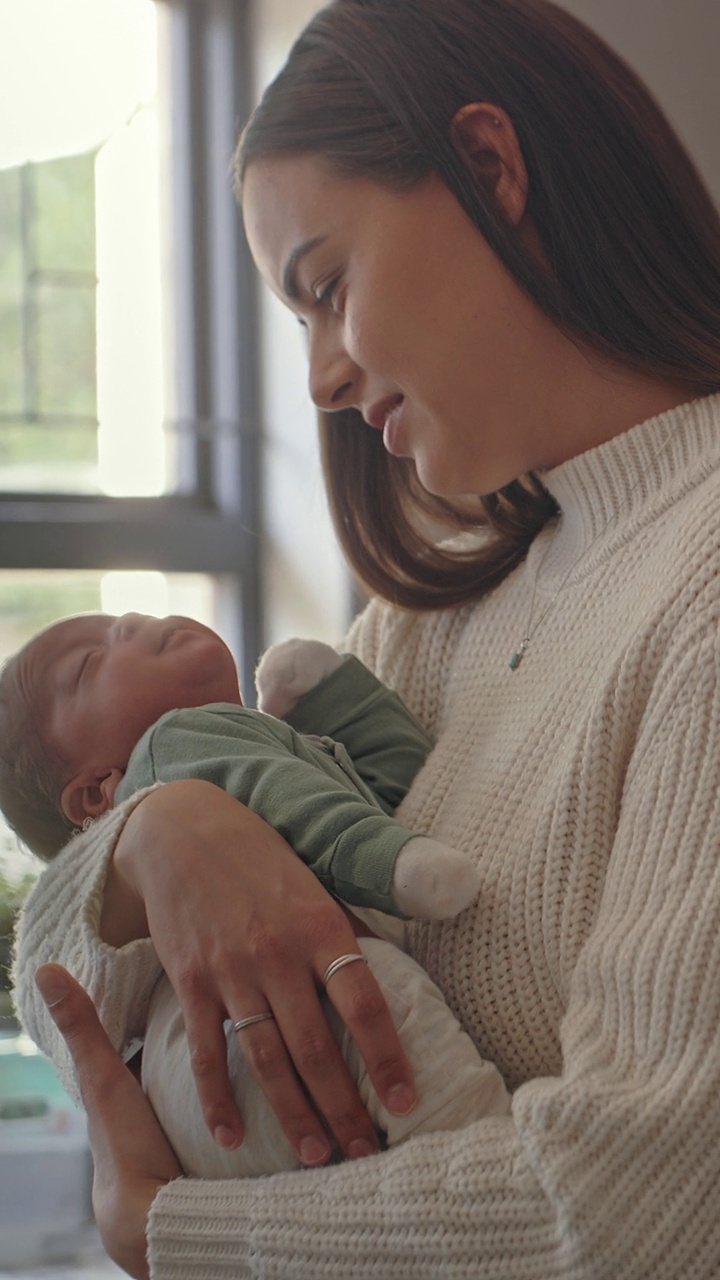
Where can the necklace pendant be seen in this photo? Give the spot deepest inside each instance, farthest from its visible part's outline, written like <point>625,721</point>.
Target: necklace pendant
<point>519,654</point>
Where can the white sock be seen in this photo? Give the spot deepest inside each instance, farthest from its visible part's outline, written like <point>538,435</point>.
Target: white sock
<point>289,670</point>
<point>431,881</point>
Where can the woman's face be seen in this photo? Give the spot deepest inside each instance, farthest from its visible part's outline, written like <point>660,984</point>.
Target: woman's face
<point>409,317</point>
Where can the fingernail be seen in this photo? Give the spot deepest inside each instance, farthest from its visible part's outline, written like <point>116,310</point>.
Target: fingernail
<point>360,1147</point>
<point>313,1151</point>
<point>51,985</point>
<point>226,1137</point>
<point>400,1100</point>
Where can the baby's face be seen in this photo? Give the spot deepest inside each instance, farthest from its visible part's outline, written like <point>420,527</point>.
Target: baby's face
<point>102,681</point>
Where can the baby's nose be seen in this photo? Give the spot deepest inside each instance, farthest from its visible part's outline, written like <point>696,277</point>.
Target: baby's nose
<point>125,627</point>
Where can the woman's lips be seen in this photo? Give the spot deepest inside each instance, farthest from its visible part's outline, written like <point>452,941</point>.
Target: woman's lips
<point>392,427</point>
<point>384,416</point>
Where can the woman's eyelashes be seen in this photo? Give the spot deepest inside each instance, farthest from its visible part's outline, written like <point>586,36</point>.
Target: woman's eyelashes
<point>328,293</point>
<point>325,294</point>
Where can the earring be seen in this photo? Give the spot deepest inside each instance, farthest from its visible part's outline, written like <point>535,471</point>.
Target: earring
<point>87,823</point>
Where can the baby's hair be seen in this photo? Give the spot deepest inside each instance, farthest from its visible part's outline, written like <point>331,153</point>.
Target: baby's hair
<point>30,777</point>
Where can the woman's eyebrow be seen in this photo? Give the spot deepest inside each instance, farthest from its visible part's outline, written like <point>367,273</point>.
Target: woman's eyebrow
<point>289,278</point>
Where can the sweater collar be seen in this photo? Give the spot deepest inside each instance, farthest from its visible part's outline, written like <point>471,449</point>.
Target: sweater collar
<point>634,475</point>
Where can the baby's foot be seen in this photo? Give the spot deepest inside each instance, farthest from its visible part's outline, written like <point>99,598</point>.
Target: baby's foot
<point>289,670</point>
<point>432,881</point>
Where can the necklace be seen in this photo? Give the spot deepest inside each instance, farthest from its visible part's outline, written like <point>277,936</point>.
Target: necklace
<point>522,648</point>
<point>531,631</point>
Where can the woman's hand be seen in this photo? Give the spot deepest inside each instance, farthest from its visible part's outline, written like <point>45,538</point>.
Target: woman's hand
<point>131,1155</point>
<point>242,927</point>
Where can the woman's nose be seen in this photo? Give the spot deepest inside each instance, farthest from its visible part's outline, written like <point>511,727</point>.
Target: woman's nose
<point>333,377</point>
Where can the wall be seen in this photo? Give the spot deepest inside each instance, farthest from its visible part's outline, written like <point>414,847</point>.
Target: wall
<point>306,587</point>
<point>675,44</point>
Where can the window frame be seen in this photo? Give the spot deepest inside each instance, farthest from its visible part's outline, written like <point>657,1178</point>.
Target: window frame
<point>213,525</point>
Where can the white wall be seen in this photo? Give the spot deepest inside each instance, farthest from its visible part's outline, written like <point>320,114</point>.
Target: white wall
<point>306,585</point>
<point>675,45</point>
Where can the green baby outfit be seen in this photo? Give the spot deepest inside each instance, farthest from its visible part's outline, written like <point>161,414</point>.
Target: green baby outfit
<point>334,811</point>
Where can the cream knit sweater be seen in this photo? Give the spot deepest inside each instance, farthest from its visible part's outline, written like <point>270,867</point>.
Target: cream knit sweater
<point>587,786</point>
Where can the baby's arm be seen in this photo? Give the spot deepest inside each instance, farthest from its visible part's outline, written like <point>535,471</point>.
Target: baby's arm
<point>316,691</point>
<point>287,671</point>
<point>455,1085</point>
<point>308,791</point>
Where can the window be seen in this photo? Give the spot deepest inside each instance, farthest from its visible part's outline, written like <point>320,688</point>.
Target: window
<point>129,434</point>
<point>128,385</point>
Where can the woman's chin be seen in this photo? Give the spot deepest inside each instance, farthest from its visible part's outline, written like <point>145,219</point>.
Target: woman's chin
<point>440,484</point>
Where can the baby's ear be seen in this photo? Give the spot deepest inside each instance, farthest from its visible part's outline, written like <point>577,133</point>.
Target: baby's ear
<point>89,794</point>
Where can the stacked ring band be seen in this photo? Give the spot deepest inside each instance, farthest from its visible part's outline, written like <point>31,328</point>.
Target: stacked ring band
<point>250,1022</point>
<point>340,964</point>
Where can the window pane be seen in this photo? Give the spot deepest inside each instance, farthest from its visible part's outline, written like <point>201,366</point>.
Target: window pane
<point>32,599</point>
<point>11,293</point>
<point>82,295</point>
<point>65,338</point>
<point>64,222</point>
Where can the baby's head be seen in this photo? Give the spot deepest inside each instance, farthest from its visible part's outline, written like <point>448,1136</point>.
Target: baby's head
<point>77,698</point>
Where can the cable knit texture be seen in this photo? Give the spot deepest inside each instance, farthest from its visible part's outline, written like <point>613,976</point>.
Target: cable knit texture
<point>586,787</point>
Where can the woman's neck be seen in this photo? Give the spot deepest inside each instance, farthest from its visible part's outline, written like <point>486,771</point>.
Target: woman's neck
<point>591,400</point>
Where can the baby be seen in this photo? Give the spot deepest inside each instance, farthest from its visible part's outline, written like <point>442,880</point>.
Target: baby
<point>96,708</point>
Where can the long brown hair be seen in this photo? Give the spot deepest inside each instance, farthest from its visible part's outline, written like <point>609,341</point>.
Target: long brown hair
<point>629,231</point>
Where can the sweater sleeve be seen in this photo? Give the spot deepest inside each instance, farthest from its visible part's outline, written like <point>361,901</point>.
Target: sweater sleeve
<point>607,1171</point>
<point>60,922</point>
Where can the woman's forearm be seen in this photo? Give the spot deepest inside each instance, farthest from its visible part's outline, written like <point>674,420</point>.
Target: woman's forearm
<point>133,868</point>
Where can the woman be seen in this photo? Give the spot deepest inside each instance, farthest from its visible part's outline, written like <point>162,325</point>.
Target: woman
<point>506,263</point>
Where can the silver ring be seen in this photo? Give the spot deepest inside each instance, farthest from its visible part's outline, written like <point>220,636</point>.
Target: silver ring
<point>250,1022</point>
<point>340,964</point>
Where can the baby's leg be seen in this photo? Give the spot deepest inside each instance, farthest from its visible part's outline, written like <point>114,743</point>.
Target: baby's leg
<point>455,1086</point>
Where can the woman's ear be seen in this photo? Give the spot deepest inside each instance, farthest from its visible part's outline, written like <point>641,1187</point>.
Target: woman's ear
<point>89,794</point>
<point>485,138</point>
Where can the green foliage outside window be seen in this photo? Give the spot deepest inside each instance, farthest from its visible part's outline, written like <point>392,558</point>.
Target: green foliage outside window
<point>32,600</point>
<point>48,379</point>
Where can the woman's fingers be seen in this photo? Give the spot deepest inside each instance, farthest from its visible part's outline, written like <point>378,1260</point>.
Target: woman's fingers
<point>361,1005</point>
<point>132,1158</point>
<point>266,1055</point>
<point>242,926</point>
<point>123,1124</point>
<point>295,1057</point>
<point>299,1043</point>
<point>207,1048</point>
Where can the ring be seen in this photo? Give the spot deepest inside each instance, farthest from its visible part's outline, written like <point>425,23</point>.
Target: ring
<point>340,964</point>
<point>250,1022</point>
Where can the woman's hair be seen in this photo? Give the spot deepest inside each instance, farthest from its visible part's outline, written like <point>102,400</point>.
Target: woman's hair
<point>628,231</point>
<point>30,780</point>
